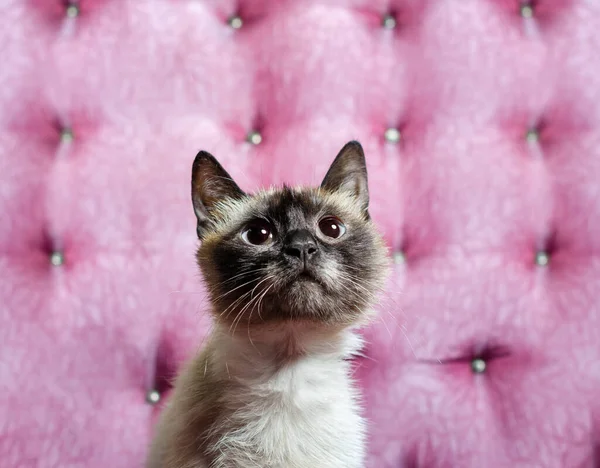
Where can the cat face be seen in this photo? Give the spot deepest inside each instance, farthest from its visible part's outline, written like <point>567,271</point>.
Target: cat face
<point>304,254</point>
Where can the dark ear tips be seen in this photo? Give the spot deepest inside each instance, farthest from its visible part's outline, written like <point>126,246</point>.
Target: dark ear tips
<point>203,157</point>
<point>210,184</point>
<point>348,173</point>
<point>353,145</point>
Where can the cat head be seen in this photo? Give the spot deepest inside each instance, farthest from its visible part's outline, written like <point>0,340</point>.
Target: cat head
<point>289,254</point>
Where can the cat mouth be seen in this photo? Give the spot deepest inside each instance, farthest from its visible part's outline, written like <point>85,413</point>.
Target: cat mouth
<point>307,277</point>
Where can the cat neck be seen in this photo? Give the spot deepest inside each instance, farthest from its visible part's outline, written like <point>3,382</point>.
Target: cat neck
<point>283,344</point>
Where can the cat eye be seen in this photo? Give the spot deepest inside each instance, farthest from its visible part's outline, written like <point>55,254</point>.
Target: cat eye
<point>331,226</point>
<point>258,232</point>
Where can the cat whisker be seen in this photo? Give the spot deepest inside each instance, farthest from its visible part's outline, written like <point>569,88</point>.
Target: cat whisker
<point>220,286</point>
<point>261,299</point>
<point>354,281</point>
<point>252,299</point>
<point>233,304</point>
<point>264,293</point>
<point>244,271</point>
<point>235,289</point>
<point>402,329</point>
<point>250,335</point>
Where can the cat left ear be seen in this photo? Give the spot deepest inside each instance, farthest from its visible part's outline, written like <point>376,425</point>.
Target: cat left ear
<point>348,173</point>
<point>210,184</point>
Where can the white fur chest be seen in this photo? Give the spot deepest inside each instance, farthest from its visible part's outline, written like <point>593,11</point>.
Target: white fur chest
<point>303,414</point>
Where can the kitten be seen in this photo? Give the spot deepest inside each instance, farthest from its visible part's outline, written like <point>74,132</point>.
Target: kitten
<point>291,272</point>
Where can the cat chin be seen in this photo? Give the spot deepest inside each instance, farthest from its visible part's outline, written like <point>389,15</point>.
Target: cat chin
<point>296,311</point>
<point>300,298</point>
<point>305,287</point>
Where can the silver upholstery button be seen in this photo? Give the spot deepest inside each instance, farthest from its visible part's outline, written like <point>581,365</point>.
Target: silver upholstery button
<point>235,22</point>
<point>153,397</point>
<point>526,10</point>
<point>532,135</point>
<point>399,258</point>
<point>388,22</point>
<point>66,135</point>
<point>254,137</point>
<point>72,10</point>
<point>57,259</point>
<point>542,258</point>
<point>478,365</point>
<point>392,135</point>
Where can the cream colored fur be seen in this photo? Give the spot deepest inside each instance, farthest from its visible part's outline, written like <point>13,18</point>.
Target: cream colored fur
<point>286,400</point>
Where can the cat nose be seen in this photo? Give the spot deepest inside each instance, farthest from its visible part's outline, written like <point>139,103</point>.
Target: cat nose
<point>301,245</point>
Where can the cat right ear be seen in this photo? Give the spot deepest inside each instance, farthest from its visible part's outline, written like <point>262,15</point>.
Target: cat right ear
<point>348,173</point>
<point>210,184</point>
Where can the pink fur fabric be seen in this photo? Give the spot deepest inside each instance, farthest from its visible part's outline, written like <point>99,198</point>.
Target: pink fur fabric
<point>481,123</point>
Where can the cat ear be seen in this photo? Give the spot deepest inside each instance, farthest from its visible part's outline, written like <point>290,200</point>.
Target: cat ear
<point>210,184</point>
<point>348,173</point>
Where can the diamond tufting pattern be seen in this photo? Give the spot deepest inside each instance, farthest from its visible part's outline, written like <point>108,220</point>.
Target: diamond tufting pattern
<point>481,123</point>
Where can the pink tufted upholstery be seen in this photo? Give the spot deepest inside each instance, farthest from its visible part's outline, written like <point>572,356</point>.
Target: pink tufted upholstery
<point>487,353</point>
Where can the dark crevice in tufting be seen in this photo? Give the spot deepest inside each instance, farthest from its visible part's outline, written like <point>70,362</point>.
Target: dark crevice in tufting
<point>536,131</point>
<point>259,122</point>
<point>55,12</point>
<point>164,367</point>
<point>596,455</point>
<point>403,252</point>
<point>549,11</point>
<point>491,353</point>
<point>401,20</point>
<point>407,252</point>
<point>419,456</point>
<point>542,11</point>
<point>550,244</point>
<point>54,254</point>
<point>47,245</point>
<point>547,250</point>
<point>164,374</point>
<point>243,18</point>
<point>251,12</point>
<point>62,132</point>
<point>487,355</point>
<point>258,128</point>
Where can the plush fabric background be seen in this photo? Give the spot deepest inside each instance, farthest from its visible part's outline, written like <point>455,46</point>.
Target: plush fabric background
<point>481,124</point>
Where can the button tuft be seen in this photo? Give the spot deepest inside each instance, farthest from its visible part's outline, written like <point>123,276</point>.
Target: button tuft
<point>389,22</point>
<point>72,10</point>
<point>532,135</point>
<point>57,259</point>
<point>399,257</point>
<point>526,10</point>
<point>254,137</point>
<point>542,258</point>
<point>478,366</point>
<point>66,135</point>
<point>235,22</point>
<point>392,135</point>
<point>153,397</point>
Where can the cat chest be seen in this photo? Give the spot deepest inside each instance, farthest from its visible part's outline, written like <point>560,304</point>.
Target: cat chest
<point>296,418</point>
